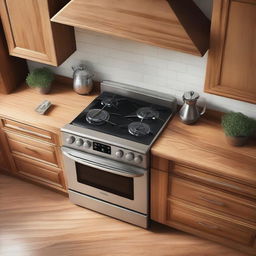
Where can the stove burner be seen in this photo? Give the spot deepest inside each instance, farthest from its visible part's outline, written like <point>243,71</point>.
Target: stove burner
<point>109,102</point>
<point>147,113</point>
<point>97,116</point>
<point>139,129</point>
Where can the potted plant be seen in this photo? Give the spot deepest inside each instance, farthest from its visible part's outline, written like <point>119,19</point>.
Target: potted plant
<point>238,128</point>
<point>41,79</point>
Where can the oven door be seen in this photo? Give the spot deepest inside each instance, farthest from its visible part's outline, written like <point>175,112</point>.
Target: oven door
<point>111,181</point>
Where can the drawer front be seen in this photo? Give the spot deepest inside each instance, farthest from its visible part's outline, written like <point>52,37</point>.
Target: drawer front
<point>212,198</point>
<point>214,181</point>
<point>44,173</point>
<point>47,155</point>
<point>29,130</point>
<point>181,213</point>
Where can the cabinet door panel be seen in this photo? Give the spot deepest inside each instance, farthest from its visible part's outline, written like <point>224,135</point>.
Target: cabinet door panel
<point>1,81</point>
<point>30,28</point>
<point>239,60</point>
<point>34,151</point>
<point>232,55</point>
<point>210,224</point>
<point>30,33</point>
<point>216,200</point>
<point>44,172</point>
<point>30,131</point>
<point>9,79</point>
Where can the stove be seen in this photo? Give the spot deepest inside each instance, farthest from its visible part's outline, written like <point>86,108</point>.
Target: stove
<point>106,150</point>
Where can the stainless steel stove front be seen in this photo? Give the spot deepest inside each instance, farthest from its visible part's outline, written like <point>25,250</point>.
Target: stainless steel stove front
<point>107,173</point>
<point>107,186</point>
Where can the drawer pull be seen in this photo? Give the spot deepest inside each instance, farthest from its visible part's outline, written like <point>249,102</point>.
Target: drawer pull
<point>211,201</point>
<point>207,225</point>
<point>225,184</point>
<point>24,129</point>
<point>32,150</point>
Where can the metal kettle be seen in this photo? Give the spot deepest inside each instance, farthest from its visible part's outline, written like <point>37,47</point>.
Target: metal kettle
<point>189,112</point>
<point>82,80</point>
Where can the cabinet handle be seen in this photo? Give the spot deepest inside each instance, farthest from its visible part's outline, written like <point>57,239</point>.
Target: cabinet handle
<point>226,184</point>
<point>211,201</point>
<point>32,150</point>
<point>24,129</point>
<point>207,225</point>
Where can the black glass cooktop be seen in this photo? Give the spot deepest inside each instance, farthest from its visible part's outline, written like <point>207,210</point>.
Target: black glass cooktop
<point>124,117</point>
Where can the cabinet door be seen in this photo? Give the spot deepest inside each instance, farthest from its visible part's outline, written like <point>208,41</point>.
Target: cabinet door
<point>232,55</point>
<point>1,81</point>
<point>4,161</point>
<point>30,33</point>
<point>13,71</point>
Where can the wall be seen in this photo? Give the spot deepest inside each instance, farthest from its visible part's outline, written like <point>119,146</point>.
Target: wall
<point>122,60</point>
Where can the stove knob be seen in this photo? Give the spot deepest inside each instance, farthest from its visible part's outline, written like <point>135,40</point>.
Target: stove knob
<point>87,144</point>
<point>138,159</point>
<point>119,153</point>
<point>129,156</point>
<point>70,139</point>
<point>79,142</point>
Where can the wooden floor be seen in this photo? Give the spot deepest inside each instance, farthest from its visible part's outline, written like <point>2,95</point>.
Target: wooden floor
<point>35,221</point>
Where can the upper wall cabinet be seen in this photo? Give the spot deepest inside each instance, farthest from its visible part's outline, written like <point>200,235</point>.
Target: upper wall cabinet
<point>30,33</point>
<point>232,55</point>
<point>174,24</point>
<point>13,71</point>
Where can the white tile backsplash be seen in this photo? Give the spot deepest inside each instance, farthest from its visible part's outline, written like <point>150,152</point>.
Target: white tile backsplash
<point>150,67</point>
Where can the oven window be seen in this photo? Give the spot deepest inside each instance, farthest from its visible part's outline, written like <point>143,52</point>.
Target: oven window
<point>109,182</point>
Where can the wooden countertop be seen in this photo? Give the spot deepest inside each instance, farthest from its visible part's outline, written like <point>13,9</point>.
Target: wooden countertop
<point>203,145</point>
<point>20,106</point>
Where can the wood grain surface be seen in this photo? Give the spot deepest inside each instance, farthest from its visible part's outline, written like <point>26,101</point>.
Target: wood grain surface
<point>203,145</point>
<point>149,21</point>
<point>8,64</point>
<point>67,104</point>
<point>232,54</point>
<point>38,222</point>
<point>30,33</point>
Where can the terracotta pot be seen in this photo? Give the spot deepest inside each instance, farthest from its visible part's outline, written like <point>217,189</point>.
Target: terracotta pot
<point>237,141</point>
<point>43,90</point>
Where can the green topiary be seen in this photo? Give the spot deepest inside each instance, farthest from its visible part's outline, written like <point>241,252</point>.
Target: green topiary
<point>238,125</point>
<point>40,77</point>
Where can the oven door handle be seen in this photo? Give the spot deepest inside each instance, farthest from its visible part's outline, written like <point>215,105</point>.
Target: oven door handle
<point>130,174</point>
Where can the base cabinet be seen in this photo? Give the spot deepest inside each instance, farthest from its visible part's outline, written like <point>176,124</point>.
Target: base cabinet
<point>34,154</point>
<point>4,163</point>
<point>182,197</point>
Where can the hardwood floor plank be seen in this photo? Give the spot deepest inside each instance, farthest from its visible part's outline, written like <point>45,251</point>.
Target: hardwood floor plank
<point>38,222</point>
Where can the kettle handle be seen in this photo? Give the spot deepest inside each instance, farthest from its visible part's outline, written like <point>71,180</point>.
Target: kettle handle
<point>203,110</point>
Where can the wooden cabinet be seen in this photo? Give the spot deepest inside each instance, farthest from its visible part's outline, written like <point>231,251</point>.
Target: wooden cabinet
<point>175,24</point>
<point>13,71</point>
<point>34,153</point>
<point>203,204</point>
<point>30,33</point>
<point>232,55</point>
<point>183,214</point>
<point>4,163</point>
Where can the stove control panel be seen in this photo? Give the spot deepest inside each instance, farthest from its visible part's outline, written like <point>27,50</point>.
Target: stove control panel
<point>105,150</point>
<point>102,148</point>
